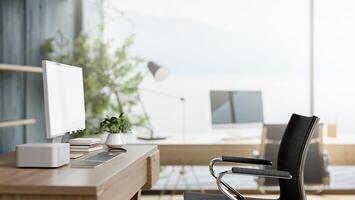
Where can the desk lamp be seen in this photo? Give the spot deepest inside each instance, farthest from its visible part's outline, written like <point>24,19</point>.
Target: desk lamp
<point>159,73</point>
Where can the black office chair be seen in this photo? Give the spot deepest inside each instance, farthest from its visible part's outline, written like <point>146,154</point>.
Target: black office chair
<point>316,174</point>
<point>290,164</point>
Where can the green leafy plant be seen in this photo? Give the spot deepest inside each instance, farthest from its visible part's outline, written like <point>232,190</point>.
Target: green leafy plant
<point>111,77</point>
<point>116,125</point>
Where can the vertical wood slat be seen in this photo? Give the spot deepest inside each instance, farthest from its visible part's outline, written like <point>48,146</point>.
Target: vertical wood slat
<point>2,82</point>
<point>12,84</point>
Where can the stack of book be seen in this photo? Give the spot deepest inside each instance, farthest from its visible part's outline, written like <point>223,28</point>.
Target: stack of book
<point>85,144</point>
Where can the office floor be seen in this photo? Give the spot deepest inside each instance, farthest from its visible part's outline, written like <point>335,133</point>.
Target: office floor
<point>197,177</point>
<point>309,197</point>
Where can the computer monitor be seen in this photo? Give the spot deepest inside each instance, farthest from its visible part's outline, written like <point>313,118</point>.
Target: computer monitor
<point>230,108</point>
<point>63,98</point>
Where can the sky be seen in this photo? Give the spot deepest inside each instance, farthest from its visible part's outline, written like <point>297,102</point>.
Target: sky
<point>200,36</point>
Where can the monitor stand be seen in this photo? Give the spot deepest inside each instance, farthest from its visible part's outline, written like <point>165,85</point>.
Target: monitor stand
<point>151,138</point>
<point>58,139</point>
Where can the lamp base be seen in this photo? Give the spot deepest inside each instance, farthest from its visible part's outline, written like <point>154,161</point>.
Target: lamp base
<point>151,138</point>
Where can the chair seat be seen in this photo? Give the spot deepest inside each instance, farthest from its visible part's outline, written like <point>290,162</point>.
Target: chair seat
<point>205,196</point>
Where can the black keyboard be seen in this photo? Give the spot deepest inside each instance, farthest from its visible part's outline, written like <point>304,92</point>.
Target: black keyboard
<point>96,160</point>
<point>103,156</point>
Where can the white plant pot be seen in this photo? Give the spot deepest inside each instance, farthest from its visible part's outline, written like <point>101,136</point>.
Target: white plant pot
<point>115,140</point>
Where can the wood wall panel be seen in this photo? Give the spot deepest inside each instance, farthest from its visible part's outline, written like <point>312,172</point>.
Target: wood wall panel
<point>12,88</point>
<point>24,26</point>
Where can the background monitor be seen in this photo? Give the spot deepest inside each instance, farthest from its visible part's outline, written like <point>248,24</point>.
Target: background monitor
<point>233,107</point>
<point>63,98</point>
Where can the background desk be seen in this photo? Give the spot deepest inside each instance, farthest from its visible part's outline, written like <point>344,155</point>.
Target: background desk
<point>121,178</point>
<point>200,150</point>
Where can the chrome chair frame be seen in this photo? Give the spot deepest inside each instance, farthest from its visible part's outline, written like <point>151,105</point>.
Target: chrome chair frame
<point>228,190</point>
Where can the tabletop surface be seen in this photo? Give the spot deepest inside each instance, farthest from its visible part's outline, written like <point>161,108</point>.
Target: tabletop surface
<point>78,179</point>
<point>211,139</point>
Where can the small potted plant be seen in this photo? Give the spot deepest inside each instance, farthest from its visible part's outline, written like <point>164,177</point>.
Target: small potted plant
<point>116,127</point>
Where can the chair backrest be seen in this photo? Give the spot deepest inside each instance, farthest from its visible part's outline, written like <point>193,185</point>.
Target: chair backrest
<point>269,148</point>
<point>315,172</point>
<point>292,153</point>
<point>274,132</point>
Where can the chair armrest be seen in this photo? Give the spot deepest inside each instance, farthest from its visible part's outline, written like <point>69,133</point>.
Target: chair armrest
<point>234,194</point>
<point>262,172</point>
<point>237,160</point>
<point>246,160</point>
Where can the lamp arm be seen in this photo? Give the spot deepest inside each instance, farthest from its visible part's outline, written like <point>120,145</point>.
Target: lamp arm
<point>146,115</point>
<point>162,94</point>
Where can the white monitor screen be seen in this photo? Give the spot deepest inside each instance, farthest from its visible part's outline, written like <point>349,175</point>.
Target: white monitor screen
<point>64,98</point>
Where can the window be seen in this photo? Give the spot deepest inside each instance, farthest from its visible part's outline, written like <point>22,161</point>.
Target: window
<point>219,45</point>
<point>335,63</point>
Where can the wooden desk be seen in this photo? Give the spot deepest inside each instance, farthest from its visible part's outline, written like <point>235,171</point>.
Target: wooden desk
<point>194,151</point>
<point>122,178</point>
<point>341,150</point>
